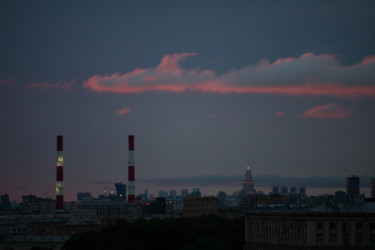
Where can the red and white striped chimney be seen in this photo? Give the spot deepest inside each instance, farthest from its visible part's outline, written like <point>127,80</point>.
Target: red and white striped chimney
<point>131,174</point>
<point>59,174</point>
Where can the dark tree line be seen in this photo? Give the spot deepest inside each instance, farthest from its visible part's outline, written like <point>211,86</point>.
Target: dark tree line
<point>204,232</point>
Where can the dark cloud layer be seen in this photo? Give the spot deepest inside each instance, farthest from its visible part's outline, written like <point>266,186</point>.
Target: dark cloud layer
<point>262,181</point>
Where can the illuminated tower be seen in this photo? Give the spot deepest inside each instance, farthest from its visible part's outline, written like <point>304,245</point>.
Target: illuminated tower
<point>248,182</point>
<point>59,174</point>
<point>131,174</point>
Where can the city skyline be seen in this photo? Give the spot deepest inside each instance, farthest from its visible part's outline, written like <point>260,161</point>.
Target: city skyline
<point>206,88</point>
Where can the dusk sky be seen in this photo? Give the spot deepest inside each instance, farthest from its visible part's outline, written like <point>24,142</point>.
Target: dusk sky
<point>206,87</point>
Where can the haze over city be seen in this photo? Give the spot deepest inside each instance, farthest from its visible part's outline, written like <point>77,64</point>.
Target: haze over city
<point>206,87</point>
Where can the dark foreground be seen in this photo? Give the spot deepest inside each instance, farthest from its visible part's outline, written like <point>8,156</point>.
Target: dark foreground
<point>204,232</point>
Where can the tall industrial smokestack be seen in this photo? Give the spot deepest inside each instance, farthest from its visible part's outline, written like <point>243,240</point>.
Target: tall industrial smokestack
<point>59,174</point>
<point>131,174</point>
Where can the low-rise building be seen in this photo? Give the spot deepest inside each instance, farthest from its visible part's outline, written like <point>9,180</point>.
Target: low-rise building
<point>194,206</point>
<point>310,228</point>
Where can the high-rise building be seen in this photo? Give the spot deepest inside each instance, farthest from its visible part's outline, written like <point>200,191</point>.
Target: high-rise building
<point>196,192</point>
<point>248,182</point>
<point>284,190</point>
<point>5,204</point>
<point>184,193</point>
<point>120,190</point>
<point>222,197</point>
<point>302,191</point>
<point>293,190</point>
<point>352,186</point>
<point>172,193</point>
<point>275,190</point>
<point>162,194</point>
<point>373,187</point>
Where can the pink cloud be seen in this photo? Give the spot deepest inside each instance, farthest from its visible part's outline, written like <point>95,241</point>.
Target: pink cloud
<point>278,113</point>
<point>7,81</point>
<point>331,110</point>
<point>47,85</point>
<point>123,111</point>
<point>309,74</point>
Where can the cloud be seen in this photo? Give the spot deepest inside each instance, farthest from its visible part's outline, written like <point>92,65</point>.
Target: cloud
<point>48,85</point>
<point>7,81</point>
<point>278,113</point>
<point>331,110</point>
<point>123,111</point>
<point>260,181</point>
<point>309,74</point>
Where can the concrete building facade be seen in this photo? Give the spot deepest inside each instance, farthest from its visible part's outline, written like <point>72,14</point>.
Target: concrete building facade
<point>271,230</point>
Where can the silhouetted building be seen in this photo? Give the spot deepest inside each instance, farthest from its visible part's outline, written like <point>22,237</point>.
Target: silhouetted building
<point>275,190</point>
<point>302,191</point>
<point>293,190</point>
<point>172,194</point>
<point>104,207</point>
<point>38,206</point>
<point>184,193</point>
<point>120,190</point>
<point>340,195</point>
<point>158,206</point>
<point>222,196</point>
<point>5,204</point>
<point>82,195</point>
<point>196,192</point>
<point>284,190</point>
<point>195,205</point>
<point>162,194</point>
<point>352,187</point>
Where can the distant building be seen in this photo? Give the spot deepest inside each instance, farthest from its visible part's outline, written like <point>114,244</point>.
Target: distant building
<point>196,192</point>
<point>248,182</point>
<point>184,193</point>
<point>340,195</point>
<point>172,194</point>
<point>5,203</point>
<point>373,187</point>
<point>222,196</point>
<point>302,191</point>
<point>38,206</point>
<point>82,195</point>
<point>275,190</point>
<point>284,190</point>
<point>162,194</point>
<point>195,206</point>
<point>156,207</point>
<point>293,190</point>
<point>352,187</point>
<point>104,207</point>
<point>120,190</point>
